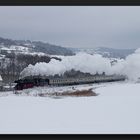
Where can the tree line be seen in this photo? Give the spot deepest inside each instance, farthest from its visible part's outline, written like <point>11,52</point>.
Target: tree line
<point>13,64</point>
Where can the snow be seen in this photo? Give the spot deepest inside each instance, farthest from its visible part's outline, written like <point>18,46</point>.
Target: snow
<point>15,48</point>
<point>22,50</point>
<point>19,48</point>
<point>38,53</point>
<point>0,78</point>
<point>114,111</point>
<point>5,48</point>
<point>90,63</point>
<point>50,90</point>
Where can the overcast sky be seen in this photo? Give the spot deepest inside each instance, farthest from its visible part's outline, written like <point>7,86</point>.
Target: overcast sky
<point>73,26</point>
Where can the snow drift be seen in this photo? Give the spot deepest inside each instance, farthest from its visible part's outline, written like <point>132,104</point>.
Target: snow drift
<point>88,63</point>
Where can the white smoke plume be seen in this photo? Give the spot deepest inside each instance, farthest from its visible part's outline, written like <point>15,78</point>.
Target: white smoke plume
<point>88,63</point>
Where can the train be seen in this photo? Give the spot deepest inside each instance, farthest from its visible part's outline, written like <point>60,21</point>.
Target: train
<point>35,81</point>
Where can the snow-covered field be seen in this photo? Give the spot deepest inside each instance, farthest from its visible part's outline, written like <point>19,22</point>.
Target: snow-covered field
<point>114,110</point>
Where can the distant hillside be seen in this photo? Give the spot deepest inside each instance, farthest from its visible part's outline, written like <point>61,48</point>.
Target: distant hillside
<point>33,46</point>
<point>116,53</point>
<point>51,49</point>
<point>106,52</point>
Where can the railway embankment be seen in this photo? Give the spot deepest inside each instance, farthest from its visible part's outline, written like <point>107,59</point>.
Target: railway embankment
<point>78,93</point>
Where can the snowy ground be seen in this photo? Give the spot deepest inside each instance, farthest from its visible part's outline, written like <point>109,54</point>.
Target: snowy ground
<point>114,110</point>
<point>50,90</point>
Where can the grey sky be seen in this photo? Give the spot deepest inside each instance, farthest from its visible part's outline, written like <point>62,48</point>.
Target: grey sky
<point>73,26</point>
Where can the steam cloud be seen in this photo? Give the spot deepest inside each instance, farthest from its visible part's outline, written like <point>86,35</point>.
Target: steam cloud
<point>88,63</point>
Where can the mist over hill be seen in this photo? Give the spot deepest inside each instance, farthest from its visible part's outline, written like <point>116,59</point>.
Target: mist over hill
<point>116,53</point>
<point>106,52</point>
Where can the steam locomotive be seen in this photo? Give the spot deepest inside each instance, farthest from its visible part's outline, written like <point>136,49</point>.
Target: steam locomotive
<point>35,81</point>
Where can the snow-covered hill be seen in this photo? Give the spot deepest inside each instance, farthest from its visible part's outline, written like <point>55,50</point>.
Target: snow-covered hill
<point>27,46</point>
<point>106,52</point>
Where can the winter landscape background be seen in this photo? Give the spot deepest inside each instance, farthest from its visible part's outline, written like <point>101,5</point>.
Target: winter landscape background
<point>50,40</point>
<point>113,111</point>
